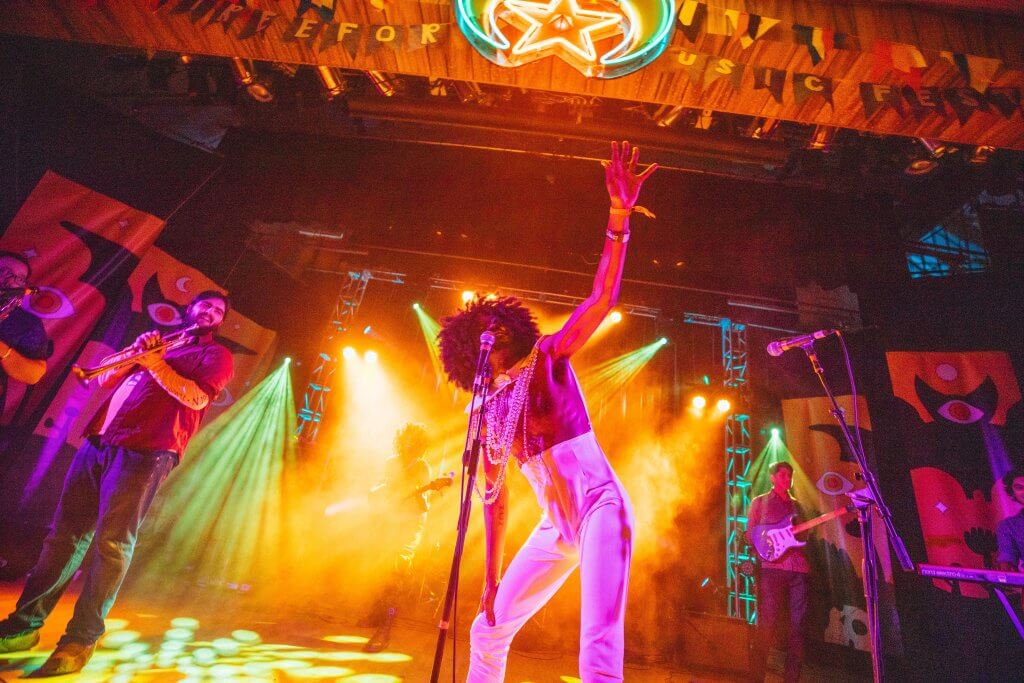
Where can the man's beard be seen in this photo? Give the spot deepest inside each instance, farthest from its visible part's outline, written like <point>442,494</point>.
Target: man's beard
<point>200,322</point>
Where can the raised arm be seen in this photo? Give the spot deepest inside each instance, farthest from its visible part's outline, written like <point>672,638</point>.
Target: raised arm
<point>623,183</point>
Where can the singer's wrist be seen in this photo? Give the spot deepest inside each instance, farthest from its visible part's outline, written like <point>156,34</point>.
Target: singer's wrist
<point>5,350</point>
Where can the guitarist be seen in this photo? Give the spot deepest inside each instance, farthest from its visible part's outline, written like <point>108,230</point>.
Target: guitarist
<point>405,473</point>
<point>786,576</point>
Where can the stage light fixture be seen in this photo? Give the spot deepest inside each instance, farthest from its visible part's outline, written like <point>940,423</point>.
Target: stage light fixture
<point>723,405</point>
<point>244,75</point>
<point>367,330</point>
<point>667,114</point>
<point>384,83</point>
<point>415,307</point>
<point>348,353</point>
<point>981,154</point>
<point>332,80</point>
<point>287,360</point>
<point>663,341</point>
<point>698,402</point>
<point>371,356</point>
<point>822,138</point>
<point>934,151</point>
<point>704,120</point>
<point>763,129</point>
<point>468,296</point>
<point>774,432</point>
<point>615,317</point>
<point>468,92</point>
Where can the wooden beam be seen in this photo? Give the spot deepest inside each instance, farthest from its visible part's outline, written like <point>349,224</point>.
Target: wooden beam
<point>949,111</point>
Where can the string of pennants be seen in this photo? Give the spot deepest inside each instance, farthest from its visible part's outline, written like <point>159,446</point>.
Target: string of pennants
<point>909,61</point>
<point>703,69</point>
<point>313,29</point>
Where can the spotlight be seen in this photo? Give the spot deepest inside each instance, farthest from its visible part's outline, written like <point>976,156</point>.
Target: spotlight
<point>415,307</point>
<point>723,405</point>
<point>371,356</point>
<point>348,353</point>
<point>244,76</point>
<point>615,317</point>
<point>287,360</point>
<point>762,129</point>
<point>699,402</point>
<point>774,432</point>
<point>981,154</point>
<point>666,115</point>
<point>383,82</point>
<point>822,138</point>
<point>332,80</point>
<point>935,151</point>
<point>468,296</point>
<point>467,91</point>
<point>367,330</point>
<point>663,341</point>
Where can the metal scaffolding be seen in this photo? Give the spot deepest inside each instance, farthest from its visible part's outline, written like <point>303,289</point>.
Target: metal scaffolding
<point>742,597</point>
<point>318,390</point>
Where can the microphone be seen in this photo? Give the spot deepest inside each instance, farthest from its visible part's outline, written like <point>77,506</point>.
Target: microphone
<point>780,346</point>
<point>486,344</point>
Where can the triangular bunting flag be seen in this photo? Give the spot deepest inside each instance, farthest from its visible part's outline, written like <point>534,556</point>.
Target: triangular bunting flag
<point>805,85</point>
<point>818,41</point>
<point>422,35</point>
<point>773,80</point>
<point>1006,100</point>
<point>302,29</point>
<point>325,8</point>
<point>964,102</point>
<point>882,51</point>
<point>692,16</point>
<point>875,96</point>
<point>717,23</point>
<point>694,65</point>
<point>720,67</point>
<point>338,33</point>
<point>381,35</point>
<point>909,61</point>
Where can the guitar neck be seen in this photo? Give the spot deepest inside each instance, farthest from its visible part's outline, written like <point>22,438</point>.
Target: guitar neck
<point>828,516</point>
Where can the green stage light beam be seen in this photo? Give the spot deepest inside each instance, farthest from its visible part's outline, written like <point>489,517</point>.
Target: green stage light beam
<point>604,379</point>
<point>222,514</point>
<point>430,329</point>
<point>776,451</point>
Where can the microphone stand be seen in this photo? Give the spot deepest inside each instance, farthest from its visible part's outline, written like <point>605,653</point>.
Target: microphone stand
<point>864,518</point>
<point>470,460</point>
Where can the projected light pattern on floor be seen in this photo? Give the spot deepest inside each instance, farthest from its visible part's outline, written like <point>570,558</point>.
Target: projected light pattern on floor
<point>188,653</point>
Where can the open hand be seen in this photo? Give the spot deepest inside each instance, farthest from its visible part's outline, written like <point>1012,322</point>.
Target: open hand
<point>621,177</point>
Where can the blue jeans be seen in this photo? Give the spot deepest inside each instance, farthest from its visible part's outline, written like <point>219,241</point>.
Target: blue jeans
<point>773,586</point>
<point>107,491</point>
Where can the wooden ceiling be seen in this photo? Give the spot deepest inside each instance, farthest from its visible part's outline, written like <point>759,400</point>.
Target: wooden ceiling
<point>874,38</point>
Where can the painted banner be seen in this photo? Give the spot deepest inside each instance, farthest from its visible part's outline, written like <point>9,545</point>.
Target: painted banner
<point>82,247</point>
<point>959,409</point>
<point>102,283</point>
<point>826,472</point>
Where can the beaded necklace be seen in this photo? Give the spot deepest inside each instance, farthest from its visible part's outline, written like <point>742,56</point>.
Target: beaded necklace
<point>503,412</point>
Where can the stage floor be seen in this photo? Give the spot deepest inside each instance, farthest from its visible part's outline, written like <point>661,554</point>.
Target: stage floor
<point>211,636</point>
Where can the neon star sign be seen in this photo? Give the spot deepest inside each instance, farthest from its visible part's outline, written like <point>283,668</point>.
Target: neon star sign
<point>599,38</point>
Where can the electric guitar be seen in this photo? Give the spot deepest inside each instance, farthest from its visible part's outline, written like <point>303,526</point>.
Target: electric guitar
<point>771,541</point>
<point>438,484</point>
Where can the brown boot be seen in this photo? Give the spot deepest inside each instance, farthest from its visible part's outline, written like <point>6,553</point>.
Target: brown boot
<point>68,658</point>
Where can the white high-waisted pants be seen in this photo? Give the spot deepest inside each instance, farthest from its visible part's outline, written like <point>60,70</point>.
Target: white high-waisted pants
<point>587,522</point>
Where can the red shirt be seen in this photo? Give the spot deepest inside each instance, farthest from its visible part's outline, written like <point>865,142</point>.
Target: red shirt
<point>150,419</point>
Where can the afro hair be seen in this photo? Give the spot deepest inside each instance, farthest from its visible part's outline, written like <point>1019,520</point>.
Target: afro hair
<point>460,334</point>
